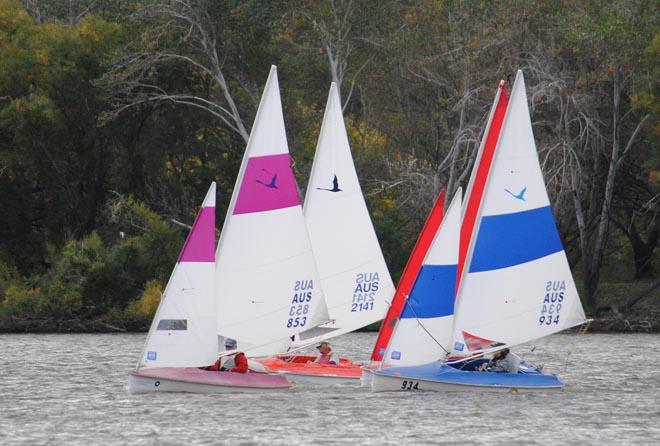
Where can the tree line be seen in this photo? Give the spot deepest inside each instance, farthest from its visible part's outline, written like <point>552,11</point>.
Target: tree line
<point>116,115</point>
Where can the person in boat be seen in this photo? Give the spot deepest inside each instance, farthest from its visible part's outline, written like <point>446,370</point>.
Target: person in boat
<point>326,355</point>
<point>503,361</point>
<point>237,363</point>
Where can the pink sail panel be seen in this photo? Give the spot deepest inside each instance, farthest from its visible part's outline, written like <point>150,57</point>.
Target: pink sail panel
<point>200,245</point>
<point>268,184</point>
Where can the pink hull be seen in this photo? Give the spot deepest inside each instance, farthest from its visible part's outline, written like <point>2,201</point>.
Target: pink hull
<point>194,375</point>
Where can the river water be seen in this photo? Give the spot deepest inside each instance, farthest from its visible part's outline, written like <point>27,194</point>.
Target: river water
<point>71,389</point>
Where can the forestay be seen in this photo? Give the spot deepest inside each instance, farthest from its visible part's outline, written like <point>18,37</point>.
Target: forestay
<point>183,331</point>
<point>424,330</point>
<point>268,288</point>
<point>356,282</point>
<point>518,286</point>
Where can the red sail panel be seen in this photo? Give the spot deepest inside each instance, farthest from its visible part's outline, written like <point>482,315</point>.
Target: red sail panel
<point>473,201</point>
<point>409,276</point>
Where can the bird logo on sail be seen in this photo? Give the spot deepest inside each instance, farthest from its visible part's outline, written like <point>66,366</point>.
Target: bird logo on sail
<point>519,196</point>
<point>335,186</point>
<point>273,181</point>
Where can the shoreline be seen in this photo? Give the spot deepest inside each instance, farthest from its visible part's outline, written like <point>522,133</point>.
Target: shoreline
<point>11,325</point>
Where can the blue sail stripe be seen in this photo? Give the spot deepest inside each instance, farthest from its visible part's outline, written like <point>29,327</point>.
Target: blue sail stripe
<point>512,239</point>
<point>433,293</point>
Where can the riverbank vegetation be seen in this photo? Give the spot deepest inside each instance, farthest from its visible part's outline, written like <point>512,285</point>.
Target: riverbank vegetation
<point>116,115</point>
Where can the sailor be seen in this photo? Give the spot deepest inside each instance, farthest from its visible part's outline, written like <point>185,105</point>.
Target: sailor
<point>237,362</point>
<point>326,355</point>
<point>503,361</point>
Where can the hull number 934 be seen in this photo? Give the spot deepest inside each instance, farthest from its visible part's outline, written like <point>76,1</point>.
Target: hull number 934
<point>409,385</point>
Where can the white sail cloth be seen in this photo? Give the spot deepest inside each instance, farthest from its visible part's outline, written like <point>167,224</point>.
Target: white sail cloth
<point>517,285</point>
<point>268,288</point>
<point>356,283</point>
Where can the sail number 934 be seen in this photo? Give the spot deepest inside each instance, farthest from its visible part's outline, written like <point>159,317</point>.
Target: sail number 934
<point>409,385</point>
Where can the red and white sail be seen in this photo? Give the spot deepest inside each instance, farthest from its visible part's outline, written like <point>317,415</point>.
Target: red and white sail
<point>408,278</point>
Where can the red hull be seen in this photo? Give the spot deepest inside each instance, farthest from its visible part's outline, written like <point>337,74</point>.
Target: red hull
<point>300,364</point>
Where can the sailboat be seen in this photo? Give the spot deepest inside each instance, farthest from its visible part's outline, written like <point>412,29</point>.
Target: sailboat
<point>514,284</point>
<point>267,285</point>
<point>183,334</point>
<point>356,283</point>
<point>404,288</point>
<point>429,234</point>
<point>423,330</point>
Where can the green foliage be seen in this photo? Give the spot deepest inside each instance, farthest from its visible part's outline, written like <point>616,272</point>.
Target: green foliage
<point>87,201</point>
<point>144,308</point>
<point>87,278</point>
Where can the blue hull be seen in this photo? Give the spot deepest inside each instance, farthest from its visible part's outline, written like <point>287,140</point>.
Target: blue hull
<point>528,378</point>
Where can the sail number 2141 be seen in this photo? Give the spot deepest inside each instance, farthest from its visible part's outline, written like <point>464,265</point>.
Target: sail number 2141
<point>366,287</point>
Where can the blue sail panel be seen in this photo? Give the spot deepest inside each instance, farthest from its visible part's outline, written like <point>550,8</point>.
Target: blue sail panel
<point>512,239</point>
<point>433,293</point>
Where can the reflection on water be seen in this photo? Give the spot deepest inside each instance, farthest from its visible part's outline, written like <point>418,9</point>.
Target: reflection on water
<point>71,389</point>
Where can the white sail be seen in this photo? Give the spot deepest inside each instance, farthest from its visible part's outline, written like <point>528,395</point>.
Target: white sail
<point>183,332</point>
<point>356,282</point>
<point>424,330</point>
<point>268,288</point>
<point>518,286</point>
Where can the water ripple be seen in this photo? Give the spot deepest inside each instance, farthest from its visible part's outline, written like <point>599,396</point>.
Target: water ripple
<point>71,389</point>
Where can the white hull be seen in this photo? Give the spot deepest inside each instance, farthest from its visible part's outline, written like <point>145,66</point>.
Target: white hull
<point>382,383</point>
<point>367,378</point>
<point>144,384</point>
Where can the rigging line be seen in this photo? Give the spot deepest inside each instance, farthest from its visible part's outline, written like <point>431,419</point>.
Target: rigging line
<point>423,327</point>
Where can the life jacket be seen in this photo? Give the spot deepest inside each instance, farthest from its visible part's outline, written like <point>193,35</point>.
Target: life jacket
<point>241,363</point>
<point>325,359</point>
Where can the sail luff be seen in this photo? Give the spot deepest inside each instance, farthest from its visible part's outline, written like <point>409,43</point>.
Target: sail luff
<point>272,77</point>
